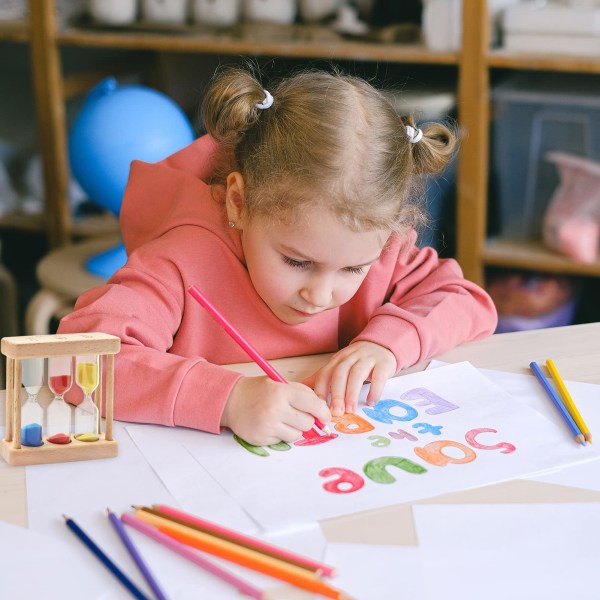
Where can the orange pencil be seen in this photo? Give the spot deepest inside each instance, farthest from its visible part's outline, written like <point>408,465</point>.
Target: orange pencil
<point>178,516</point>
<point>242,556</point>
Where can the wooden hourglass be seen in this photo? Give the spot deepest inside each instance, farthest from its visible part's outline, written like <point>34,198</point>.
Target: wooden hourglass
<point>96,379</point>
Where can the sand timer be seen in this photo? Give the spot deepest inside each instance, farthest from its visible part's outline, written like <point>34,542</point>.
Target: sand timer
<point>60,379</point>
<point>32,413</point>
<point>87,377</point>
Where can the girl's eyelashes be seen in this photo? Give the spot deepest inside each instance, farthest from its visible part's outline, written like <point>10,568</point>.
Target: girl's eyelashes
<point>306,264</point>
<point>297,264</point>
<point>355,270</point>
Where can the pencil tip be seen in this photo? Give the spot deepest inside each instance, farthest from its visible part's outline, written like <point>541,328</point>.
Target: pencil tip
<point>66,518</point>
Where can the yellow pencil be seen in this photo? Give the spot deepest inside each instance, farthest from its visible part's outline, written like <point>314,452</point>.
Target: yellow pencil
<point>568,401</point>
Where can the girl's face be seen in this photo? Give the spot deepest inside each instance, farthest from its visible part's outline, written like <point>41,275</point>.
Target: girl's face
<point>303,269</point>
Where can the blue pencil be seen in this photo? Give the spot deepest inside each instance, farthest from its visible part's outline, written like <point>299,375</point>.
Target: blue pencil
<point>107,562</point>
<point>568,419</point>
<point>135,555</point>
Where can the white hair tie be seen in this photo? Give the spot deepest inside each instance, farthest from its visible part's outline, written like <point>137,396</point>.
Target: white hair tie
<point>267,102</point>
<point>413,135</point>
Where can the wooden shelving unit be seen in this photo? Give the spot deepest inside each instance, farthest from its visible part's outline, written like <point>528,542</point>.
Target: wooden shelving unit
<point>476,251</point>
<point>474,66</point>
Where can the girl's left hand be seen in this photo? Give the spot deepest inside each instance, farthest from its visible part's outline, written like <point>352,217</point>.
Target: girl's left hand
<point>346,372</point>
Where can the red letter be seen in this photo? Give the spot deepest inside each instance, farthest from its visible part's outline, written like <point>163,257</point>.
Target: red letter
<point>347,482</point>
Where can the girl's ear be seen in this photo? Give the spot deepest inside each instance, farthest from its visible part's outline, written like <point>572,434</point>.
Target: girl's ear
<point>235,199</point>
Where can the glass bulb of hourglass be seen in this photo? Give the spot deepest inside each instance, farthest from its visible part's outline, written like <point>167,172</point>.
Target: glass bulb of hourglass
<point>87,377</point>
<point>60,379</point>
<point>32,413</point>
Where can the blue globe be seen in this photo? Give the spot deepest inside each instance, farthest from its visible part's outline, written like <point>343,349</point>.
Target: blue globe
<point>116,125</point>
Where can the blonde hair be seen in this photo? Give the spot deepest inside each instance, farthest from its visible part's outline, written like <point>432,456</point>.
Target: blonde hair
<point>328,140</point>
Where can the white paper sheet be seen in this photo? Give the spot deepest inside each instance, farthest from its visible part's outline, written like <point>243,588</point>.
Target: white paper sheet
<point>284,488</point>
<point>189,483</point>
<point>378,572</point>
<point>34,565</point>
<point>586,396</point>
<point>500,551</point>
<point>85,489</point>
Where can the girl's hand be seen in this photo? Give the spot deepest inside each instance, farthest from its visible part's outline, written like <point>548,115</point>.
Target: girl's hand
<point>346,372</point>
<point>262,411</point>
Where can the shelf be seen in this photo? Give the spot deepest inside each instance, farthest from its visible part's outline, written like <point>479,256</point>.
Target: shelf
<point>22,222</point>
<point>14,31</point>
<point>227,44</point>
<point>96,225</point>
<point>534,256</point>
<point>543,62</point>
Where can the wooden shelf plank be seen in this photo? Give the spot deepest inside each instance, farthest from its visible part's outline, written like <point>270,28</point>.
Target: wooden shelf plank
<point>14,31</point>
<point>227,44</point>
<point>83,227</point>
<point>543,62</point>
<point>533,255</point>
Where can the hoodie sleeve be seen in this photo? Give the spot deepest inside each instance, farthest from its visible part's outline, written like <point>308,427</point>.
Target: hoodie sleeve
<point>152,385</point>
<point>429,307</point>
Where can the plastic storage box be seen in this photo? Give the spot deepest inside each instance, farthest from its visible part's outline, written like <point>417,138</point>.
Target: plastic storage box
<point>534,115</point>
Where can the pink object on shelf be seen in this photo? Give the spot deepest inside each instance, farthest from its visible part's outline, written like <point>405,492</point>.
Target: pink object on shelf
<point>572,221</point>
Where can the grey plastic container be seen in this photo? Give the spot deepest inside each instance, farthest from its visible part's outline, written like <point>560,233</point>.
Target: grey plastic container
<point>534,115</point>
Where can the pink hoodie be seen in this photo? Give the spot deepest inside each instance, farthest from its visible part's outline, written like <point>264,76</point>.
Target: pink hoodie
<point>176,235</point>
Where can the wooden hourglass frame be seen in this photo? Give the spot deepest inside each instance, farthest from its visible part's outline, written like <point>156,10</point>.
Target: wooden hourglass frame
<point>19,348</point>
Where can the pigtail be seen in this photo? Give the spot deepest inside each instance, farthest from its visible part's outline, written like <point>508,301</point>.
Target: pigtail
<point>435,149</point>
<point>229,108</point>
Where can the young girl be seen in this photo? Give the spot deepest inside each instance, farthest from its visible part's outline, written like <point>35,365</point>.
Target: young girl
<point>292,217</point>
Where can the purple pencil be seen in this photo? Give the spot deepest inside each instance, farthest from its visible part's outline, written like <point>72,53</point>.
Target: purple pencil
<point>243,586</point>
<point>135,555</point>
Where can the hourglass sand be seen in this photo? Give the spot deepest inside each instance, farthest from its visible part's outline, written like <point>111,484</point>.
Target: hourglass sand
<point>32,413</point>
<point>96,353</point>
<point>58,413</point>
<point>87,377</point>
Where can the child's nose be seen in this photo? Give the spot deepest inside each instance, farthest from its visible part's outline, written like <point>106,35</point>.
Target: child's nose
<point>318,292</point>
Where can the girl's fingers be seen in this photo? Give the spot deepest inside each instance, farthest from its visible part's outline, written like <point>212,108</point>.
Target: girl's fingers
<point>356,379</point>
<point>378,381</point>
<point>308,406</point>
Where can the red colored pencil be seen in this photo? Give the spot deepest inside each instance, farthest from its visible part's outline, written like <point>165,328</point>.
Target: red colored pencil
<point>186,552</point>
<point>195,522</point>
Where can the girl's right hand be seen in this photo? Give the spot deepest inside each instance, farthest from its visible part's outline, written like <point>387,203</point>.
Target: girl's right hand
<point>262,411</point>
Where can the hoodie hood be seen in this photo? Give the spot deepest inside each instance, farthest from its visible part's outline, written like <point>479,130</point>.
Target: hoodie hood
<point>173,192</point>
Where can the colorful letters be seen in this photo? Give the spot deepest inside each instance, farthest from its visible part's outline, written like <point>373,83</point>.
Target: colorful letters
<point>439,453</point>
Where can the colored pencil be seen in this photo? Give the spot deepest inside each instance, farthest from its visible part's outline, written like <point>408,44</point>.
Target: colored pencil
<point>189,554</point>
<point>564,413</point>
<point>242,342</point>
<point>568,400</point>
<point>135,555</point>
<point>199,524</point>
<point>243,556</point>
<point>104,559</point>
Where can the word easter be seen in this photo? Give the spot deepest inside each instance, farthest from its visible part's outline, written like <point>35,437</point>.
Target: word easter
<point>389,411</point>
